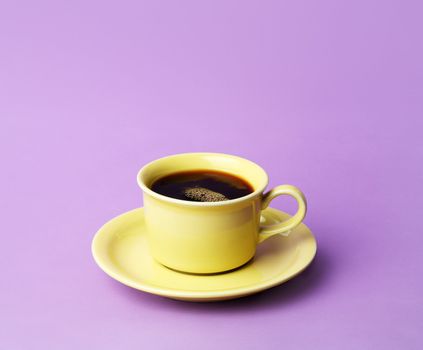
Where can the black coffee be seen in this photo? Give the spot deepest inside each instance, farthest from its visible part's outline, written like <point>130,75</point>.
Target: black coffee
<point>202,186</point>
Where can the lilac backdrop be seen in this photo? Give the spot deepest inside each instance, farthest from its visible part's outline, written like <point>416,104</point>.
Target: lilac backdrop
<point>327,95</point>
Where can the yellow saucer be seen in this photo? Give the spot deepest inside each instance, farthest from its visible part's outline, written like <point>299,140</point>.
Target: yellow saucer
<point>120,249</point>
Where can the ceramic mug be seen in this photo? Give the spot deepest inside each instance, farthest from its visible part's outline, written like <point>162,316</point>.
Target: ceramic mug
<point>210,237</point>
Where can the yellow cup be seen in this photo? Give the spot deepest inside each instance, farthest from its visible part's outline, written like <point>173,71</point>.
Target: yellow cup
<point>210,237</point>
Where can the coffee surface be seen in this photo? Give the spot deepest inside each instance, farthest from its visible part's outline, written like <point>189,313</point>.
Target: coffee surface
<point>202,186</point>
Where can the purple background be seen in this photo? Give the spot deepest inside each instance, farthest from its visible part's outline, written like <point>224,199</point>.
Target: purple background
<point>326,95</point>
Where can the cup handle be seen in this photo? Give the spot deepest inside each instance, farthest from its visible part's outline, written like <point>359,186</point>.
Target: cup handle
<point>287,225</point>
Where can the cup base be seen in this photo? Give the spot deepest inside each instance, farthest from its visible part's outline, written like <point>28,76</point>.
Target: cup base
<point>208,273</point>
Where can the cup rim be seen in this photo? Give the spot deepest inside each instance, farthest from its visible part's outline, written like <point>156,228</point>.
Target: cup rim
<point>229,202</point>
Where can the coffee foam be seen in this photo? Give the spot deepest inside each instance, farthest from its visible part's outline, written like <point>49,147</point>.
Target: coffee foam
<point>202,194</point>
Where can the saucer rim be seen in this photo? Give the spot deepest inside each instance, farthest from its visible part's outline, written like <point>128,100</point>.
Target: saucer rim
<point>186,294</point>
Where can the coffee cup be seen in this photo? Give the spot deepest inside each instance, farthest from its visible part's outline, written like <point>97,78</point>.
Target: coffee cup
<point>210,237</point>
